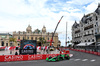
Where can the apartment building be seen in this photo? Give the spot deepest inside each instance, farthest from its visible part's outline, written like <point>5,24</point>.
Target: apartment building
<point>87,31</point>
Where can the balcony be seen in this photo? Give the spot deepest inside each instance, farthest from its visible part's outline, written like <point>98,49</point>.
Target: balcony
<point>88,34</point>
<point>78,37</point>
<point>77,31</point>
<point>88,27</point>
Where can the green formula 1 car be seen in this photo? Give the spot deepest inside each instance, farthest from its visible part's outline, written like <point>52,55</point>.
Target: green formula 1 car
<point>59,57</point>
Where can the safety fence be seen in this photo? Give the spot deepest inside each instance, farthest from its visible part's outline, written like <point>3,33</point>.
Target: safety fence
<point>7,58</point>
<point>91,52</point>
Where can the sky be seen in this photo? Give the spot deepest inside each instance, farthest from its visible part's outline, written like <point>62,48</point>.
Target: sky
<point>16,15</point>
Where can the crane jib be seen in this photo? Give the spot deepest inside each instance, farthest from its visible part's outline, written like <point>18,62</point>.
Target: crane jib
<point>55,31</point>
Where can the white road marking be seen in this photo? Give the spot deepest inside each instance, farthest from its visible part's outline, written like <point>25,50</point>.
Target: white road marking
<point>77,59</point>
<point>84,59</point>
<point>93,60</point>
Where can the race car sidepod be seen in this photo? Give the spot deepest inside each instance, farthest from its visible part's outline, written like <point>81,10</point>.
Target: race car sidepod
<point>59,57</point>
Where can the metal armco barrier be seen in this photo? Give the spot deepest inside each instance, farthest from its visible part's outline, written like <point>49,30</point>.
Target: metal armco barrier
<point>96,53</point>
<point>91,52</point>
<point>99,53</point>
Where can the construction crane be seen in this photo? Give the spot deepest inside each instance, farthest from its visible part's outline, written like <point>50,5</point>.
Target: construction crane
<point>55,31</point>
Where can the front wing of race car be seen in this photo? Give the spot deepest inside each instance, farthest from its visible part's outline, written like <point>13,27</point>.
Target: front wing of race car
<point>52,59</point>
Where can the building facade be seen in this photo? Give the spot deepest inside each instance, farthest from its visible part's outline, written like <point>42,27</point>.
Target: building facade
<point>35,35</point>
<point>4,39</point>
<point>88,29</point>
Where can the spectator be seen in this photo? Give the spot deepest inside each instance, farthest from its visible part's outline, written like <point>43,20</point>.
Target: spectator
<point>43,49</point>
<point>6,48</point>
<point>16,53</point>
<point>46,48</point>
<point>10,51</point>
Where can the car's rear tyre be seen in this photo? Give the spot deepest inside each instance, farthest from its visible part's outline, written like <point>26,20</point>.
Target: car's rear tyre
<point>67,58</point>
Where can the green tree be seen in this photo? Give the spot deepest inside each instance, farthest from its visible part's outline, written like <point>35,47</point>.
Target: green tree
<point>71,41</point>
<point>68,41</point>
<point>37,31</point>
<point>42,40</point>
<point>69,45</point>
<point>12,40</point>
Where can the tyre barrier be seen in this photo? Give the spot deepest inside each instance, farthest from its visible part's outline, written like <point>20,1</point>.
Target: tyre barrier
<point>91,52</point>
<point>8,58</point>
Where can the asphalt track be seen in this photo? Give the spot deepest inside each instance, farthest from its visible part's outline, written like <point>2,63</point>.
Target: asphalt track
<point>78,59</point>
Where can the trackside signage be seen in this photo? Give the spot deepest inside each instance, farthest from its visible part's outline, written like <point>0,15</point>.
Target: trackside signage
<point>13,58</point>
<point>25,51</point>
<point>28,47</point>
<point>7,58</point>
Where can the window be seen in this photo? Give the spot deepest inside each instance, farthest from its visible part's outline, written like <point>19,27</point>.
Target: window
<point>27,37</point>
<point>31,38</point>
<point>18,44</point>
<point>48,38</point>
<point>88,32</point>
<point>19,32</point>
<point>92,40</point>
<point>81,25</point>
<point>35,38</point>
<point>6,44</point>
<point>23,38</point>
<point>18,37</point>
<point>88,40</point>
<point>92,31</point>
<point>95,31</point>
<point>2,43</point>
<point>96,23</point>
<point>48,33</point>
<point>96,18</point>
<point>92,19</point>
